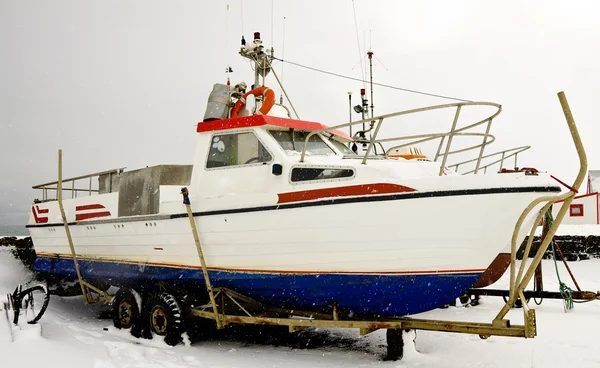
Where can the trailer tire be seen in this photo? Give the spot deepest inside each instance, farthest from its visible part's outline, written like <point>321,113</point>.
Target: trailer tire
<point>163,316</point>
<point>395,344</point>
<point>126,312</point>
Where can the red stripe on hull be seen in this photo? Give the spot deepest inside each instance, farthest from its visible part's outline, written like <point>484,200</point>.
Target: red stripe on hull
<point>347,191</point>
<point>89,207</point>
<point>85,216</point>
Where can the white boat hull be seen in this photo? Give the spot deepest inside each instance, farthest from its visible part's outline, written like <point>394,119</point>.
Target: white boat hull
<point>278,254</point>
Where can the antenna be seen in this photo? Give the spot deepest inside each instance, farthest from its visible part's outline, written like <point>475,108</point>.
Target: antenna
<point>228,70</point>
<point>272,34</point>
<point>370,53</point>
<point>362,71</point>
<point>283,58</point>
<point>350,109</point>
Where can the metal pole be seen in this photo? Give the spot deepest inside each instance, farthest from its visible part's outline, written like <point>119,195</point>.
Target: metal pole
<point>350,110</point>
<point>439,150</point>
<point>371,75</point>
<point>560,253</point>
<point>450,140</point>
<point>64,219</point>
<point>372,141</point>
<point>211,294</point>
<point>487,131</point>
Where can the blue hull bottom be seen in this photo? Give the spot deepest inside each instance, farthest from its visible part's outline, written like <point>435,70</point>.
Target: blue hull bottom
<point>384,295</point>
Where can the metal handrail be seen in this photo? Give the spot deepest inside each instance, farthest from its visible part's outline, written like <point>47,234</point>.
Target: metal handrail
<point>377,121</point>
<point>113,171</point>
<point>516,150</point>
<point>54,185</point>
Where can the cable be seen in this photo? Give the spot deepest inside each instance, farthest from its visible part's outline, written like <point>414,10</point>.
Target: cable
<point>377,84</point>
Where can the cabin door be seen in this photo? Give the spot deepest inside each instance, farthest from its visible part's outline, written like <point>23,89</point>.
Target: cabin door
<point>238,170</point>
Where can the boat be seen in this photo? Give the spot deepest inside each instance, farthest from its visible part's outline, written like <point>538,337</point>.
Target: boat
<point>288,214</point>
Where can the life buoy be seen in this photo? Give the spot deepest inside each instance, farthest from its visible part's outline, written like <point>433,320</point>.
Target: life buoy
<point>268,102</point>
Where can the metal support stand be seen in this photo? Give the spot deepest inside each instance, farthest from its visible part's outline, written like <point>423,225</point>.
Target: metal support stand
<point>84,291</point>
<point>85,286</point>
<point>519,281</point>
<point>188,207</point>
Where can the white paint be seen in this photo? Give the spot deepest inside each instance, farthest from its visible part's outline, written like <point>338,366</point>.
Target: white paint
<point>424,234</point>
<point>589,204</point>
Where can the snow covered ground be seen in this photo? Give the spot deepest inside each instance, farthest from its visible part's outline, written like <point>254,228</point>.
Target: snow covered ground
<point>71,335</point>
<point>570,229</point>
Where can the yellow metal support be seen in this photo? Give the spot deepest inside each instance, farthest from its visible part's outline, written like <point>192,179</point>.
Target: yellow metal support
<point>86,298</point>
<point>407,323</point>
<point>190,214</point>
<point>518,284</point>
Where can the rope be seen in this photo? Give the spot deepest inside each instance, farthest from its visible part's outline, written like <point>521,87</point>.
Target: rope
<point>565,291</point>
<point>377,84</point>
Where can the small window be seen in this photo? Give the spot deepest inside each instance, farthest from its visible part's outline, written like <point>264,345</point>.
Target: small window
<point>315,173</point>
<point>576,210</point>
<point>236,149</point>
<point>342,147</point>
<point>293,141</point>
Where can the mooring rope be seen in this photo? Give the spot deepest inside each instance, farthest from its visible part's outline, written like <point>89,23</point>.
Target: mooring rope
<point>565,291</point>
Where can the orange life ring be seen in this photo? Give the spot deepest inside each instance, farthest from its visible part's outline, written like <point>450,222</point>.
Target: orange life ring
<point>268,103</point>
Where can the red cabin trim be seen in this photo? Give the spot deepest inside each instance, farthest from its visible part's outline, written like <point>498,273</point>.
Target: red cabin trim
<point>260,120</point>
<point>580,196</point>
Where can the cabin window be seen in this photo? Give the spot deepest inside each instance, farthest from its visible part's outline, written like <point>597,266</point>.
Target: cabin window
<point>319,173</point>
<point>342,147</point>
<point>576,210</point>
<point>293,141</point>
<point>236,149</point>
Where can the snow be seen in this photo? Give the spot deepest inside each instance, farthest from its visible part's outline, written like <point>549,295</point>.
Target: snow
<point>70,334</point>
<point>579,230</point>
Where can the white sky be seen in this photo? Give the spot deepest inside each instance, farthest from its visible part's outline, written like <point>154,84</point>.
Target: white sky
<point>123,83</point>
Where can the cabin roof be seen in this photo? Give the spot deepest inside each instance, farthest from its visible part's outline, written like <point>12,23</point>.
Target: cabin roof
<point>260,120</point>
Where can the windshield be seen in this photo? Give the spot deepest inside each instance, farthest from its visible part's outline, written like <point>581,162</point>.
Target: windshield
<point>342,147</point>
<point>293,141</point>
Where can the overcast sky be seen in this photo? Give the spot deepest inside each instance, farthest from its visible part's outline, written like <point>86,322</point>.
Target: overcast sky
<point>123,83</point>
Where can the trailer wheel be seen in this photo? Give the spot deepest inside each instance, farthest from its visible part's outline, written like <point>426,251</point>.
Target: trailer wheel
<point>163,316</point>
<point>395,344</point>
<point>125,311</point>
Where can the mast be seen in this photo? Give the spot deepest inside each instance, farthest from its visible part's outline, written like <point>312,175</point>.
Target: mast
<point>255,52</point>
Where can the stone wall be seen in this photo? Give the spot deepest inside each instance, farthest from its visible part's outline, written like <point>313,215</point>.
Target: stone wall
<point>573,247</point>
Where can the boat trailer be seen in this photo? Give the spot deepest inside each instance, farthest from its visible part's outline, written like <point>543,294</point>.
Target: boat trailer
<point>227,307</point>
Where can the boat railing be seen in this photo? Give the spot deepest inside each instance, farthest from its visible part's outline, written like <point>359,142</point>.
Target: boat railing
<point>445,138</point>
<point>91,189</point>
<point>504,156</point>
